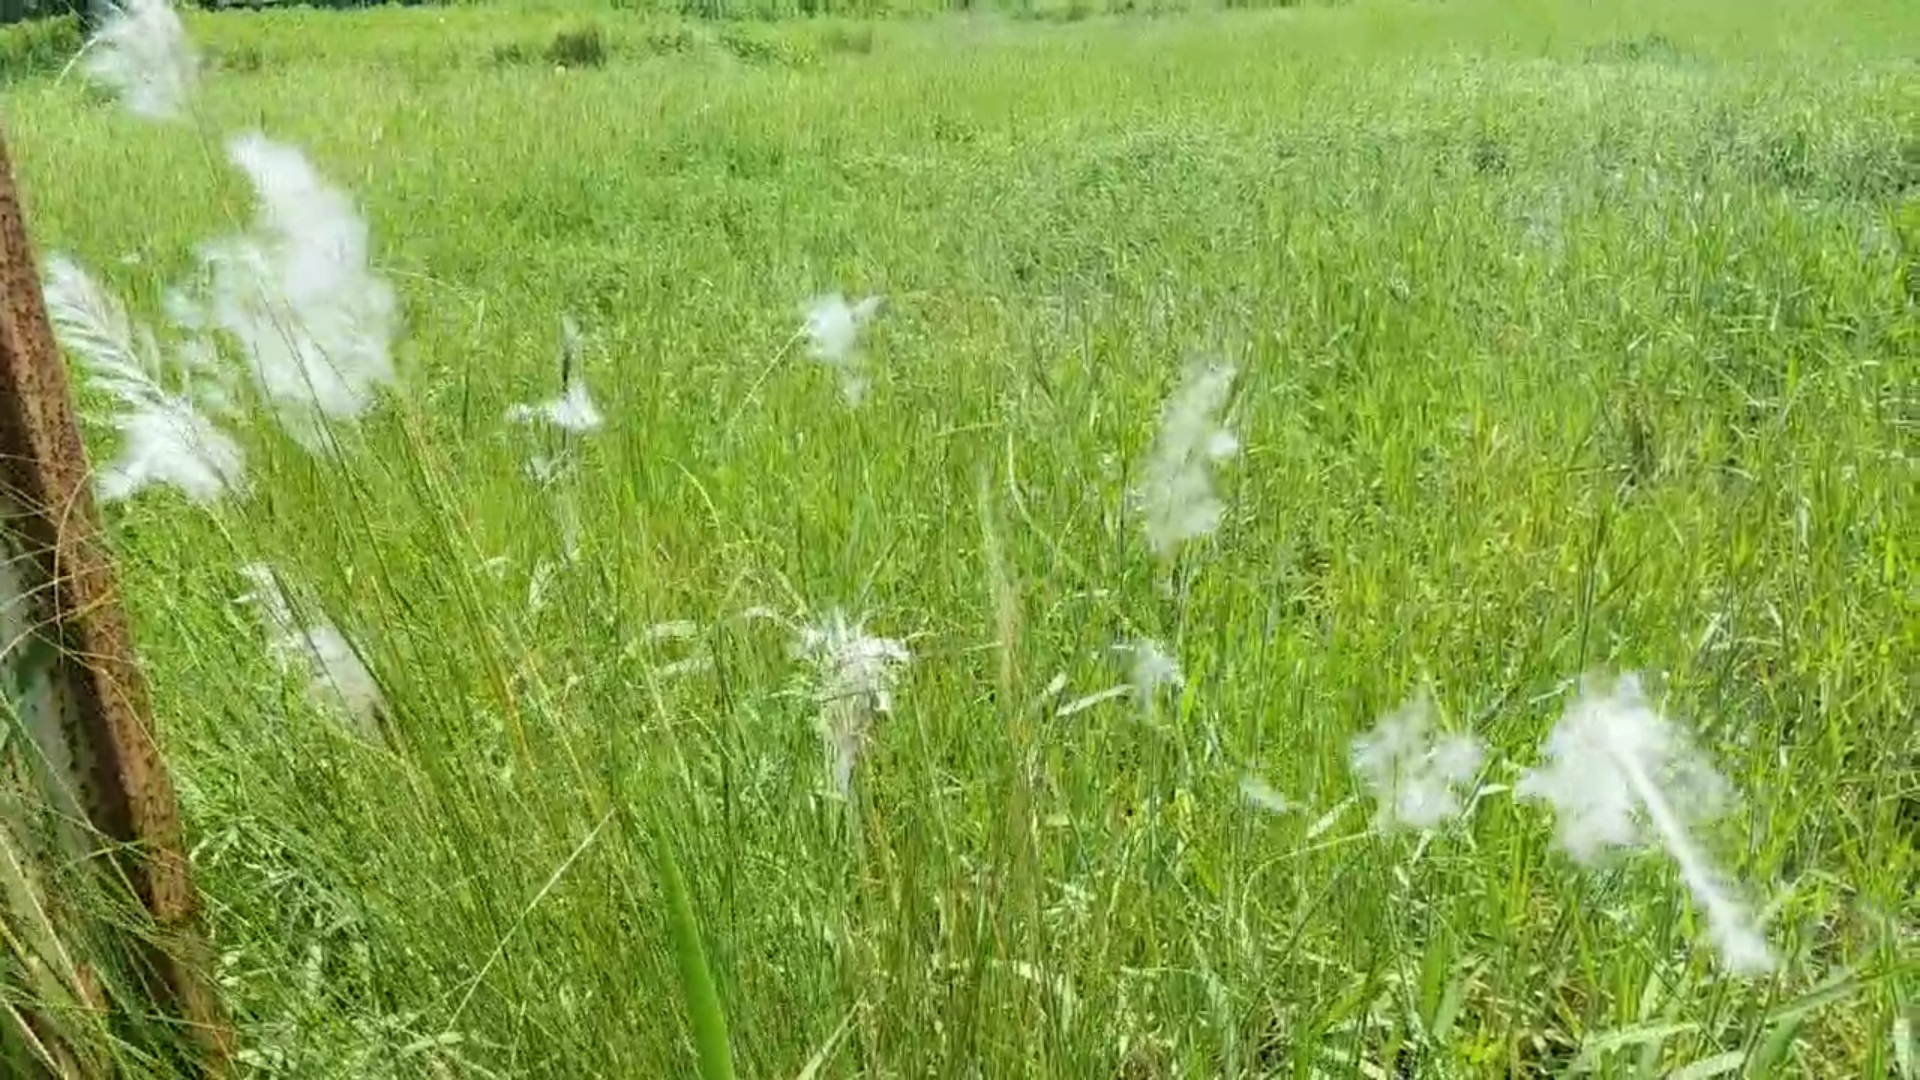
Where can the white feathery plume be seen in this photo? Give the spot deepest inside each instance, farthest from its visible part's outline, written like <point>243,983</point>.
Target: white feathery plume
<point>543,469</point>
<point>854,675</point>
<point>296,293</point>
<point>335,671</point>
<point>166,438</point>
<point>573,411</point>
<point>168,442</point>
<point>1175,495</point>
<point>142,54</point>
<point>696,664</point>
<point>1262,795</point>
<point>1082,704</point>
<point>1151,669</point>
<point>832,329</point>
<point>538,582</point>
<point>1411,771</point>
<point>1613,762</point>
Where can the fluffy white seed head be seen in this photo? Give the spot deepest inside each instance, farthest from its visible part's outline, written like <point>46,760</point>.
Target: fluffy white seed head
<point>170,443</point>
<point>143,55</point>
<point>1619,774</point>
<point>832,329</point>
<point>1610,750</point>
<point>573,411</point>
<point>854,675</point>
<point>1264,796</point>
<point>1150,668</point>
<point>1175,495</point>
<point>336,676</point>
<point>297,294</point>
<point>1412,772</point>
<point>168,438</point>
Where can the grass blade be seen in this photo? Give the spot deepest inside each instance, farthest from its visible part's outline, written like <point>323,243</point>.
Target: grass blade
<point>696,981</point>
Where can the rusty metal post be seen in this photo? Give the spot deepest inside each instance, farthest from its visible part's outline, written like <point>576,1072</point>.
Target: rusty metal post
<point>93,696</point>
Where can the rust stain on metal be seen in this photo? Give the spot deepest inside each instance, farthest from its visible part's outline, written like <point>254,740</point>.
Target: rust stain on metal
<point>122,783</point>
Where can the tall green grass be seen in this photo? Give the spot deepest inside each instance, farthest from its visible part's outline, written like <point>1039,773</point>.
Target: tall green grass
<point>1571,336</point>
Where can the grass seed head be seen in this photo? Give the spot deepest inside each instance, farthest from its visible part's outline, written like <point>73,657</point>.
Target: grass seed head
<point>832,328</point>
<point>1151,668</point>
<point>168,438</point>
<point>335,673</point>
<point>573,411</point>
<point>1412,772</point>
<point>170,443</point>
<point>143,55</point>
<point>1617,773</point>
<point>297,294</point>
<point>1175,496</point>
<point>854,675</point>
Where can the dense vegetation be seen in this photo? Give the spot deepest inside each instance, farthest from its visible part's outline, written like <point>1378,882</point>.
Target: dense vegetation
<point>1566,338</point>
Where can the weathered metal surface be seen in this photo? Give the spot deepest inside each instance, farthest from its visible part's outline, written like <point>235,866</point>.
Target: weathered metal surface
<point>91,722</point>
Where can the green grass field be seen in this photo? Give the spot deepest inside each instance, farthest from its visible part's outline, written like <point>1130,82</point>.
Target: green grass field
<point>1571,337</point>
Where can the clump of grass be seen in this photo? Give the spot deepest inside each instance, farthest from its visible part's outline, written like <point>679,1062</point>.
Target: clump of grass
<point>670,41</point>
<point>237,58</point>
<point>512,54</point>
<point>770,47</point>
<point>38,46</point>
<point>858,39</point>
<point>1653,47</point>
<point>583,45</point>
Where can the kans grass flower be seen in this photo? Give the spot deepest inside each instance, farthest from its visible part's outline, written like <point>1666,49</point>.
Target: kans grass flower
<point>168,437</point>
<point>573,411</point>
<point>335,673</point>
<point>1151,668</point>
<point>297,294</point>
<point>1412,772</point>
<point>142,54</point>
<point>854,675</point>
<point>832,329</point>
<point>1617,774</point>
<point>1175,496</point>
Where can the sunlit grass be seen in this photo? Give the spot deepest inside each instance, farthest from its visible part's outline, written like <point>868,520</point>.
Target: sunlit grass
<point>1565,339</point>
